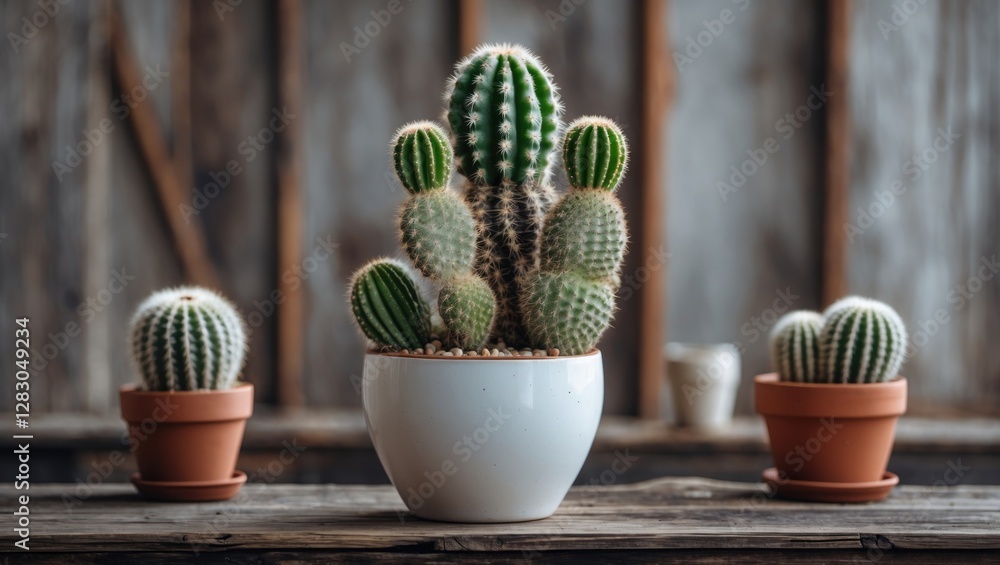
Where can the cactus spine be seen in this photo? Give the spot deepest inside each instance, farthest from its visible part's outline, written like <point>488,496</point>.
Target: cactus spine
<point>856,340</point>
<point>501,276</point>
<point>504,113</point>
<point>388,307</point>
<point>862,341</point>
<point>795,346</point>
<point>570,302</point>
<point>187,338</point>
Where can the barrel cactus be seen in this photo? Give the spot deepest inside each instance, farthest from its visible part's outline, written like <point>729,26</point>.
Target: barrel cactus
<point>795,346</point>
<point>856,340</point>
<point>501,277</point>
<point>862,341</point>
<point>388,306</point>
<point>187,338</point>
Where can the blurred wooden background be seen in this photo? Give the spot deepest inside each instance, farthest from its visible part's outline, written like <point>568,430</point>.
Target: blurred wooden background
<point>699,88</point>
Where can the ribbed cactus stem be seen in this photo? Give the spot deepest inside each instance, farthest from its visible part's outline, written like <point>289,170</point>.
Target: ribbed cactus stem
<point>422,157</point>
<point>795,346</point>
<point>504,113</point>
<point>595,154</point>
<point>862,341</point>
<point>438,234</point>
<point>388,307</point>
<point>467,309</point>
<point>187,338</point>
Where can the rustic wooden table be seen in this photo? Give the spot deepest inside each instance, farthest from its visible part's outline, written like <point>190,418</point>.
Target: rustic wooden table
<point>696,520</point>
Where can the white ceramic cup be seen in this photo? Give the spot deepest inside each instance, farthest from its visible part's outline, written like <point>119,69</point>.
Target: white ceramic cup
<point>482,439</point>
<point>704,379</point>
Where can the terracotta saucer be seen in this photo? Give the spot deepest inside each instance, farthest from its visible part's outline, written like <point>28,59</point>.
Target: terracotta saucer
<point>191,491</point>
<point>815,491</point>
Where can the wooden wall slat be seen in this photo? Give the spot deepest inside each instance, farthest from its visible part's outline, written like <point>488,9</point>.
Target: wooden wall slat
<point>734,258</point>
<point>289,230</point>
<point>929,249</point>
<point>837,164</point>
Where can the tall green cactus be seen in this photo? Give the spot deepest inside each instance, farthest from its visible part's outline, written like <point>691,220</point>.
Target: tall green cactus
<point>187,338</point>
<point>862,341</point>
<point>583,243</point>
<point>387,305</point>
<point>501,277</point>
<point>504,115</point>
<point>795,346</point>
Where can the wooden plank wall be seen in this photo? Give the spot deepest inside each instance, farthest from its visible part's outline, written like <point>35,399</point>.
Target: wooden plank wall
<point>735,252</point>
<point>730,258</point>
<point>927,249</point>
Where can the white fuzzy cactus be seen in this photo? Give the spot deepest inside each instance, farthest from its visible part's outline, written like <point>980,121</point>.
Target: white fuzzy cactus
<point>857,340</point>
<point>863,341</point>
<point>795,346</point>
<point>187,338</point>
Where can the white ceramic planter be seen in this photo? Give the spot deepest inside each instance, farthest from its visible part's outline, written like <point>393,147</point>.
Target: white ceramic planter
<point>482,440</point>
<point>704,379</point>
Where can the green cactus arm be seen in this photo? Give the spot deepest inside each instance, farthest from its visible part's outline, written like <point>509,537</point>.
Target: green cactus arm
<point>438,234</point>
<point>595,153</point>
<point>468,310</point>
<point>387,306</point>
<point>422,157</point>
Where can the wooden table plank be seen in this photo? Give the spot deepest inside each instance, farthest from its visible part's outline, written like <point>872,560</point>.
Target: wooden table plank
<point>665,514</point>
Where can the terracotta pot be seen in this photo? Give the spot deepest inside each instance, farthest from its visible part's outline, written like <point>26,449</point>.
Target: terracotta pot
<point>838,433</point>
<point>190,436</point>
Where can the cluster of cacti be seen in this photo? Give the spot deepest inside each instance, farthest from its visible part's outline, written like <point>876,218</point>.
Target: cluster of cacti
<point>511,265</point>
<point>856,340</point>
<point>187,338</point>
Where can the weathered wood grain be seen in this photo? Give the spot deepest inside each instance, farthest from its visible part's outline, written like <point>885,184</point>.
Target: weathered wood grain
<point>735,256</point>
<point>931,249</point>
<point>836,159</point>
<point>679,513</point>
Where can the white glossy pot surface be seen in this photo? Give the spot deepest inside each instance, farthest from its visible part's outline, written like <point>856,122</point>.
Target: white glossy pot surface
<point>483,440</point>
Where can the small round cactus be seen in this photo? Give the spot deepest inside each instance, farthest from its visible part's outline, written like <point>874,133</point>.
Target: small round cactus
<point>795,346</point>
<point>585,232</point>
<point>387,305</point>
<point>467,308</point>
<point>862,341</point>
<point>421,157</point>
<point>595,154</point>
<point>187,338</point>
